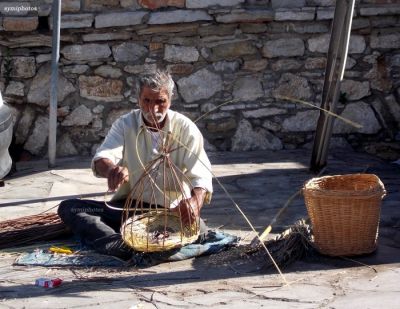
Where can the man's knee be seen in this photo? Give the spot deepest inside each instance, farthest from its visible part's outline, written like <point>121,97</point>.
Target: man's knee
<point>66,209</point>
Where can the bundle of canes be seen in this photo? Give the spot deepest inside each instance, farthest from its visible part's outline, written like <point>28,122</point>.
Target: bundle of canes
<point>29,229</point>
<point>148,224</point>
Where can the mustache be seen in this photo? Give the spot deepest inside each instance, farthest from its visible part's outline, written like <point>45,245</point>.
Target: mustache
<point>157,117</point>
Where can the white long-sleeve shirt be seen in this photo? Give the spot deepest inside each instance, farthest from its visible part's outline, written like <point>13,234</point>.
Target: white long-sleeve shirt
<point>129,143</point>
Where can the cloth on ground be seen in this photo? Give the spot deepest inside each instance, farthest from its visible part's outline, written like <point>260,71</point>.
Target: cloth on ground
<point>214,242</point>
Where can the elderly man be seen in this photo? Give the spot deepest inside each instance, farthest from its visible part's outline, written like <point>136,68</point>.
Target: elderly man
<point>134,140</point>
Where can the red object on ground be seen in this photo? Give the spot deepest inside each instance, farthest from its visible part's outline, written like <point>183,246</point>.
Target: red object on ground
<point>48,283</point>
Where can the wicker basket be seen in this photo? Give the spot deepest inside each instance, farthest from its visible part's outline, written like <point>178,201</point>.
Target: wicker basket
<point>158,231</point>
<point>344,212</point>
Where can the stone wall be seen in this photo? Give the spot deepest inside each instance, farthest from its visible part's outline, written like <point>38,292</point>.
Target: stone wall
<point>232,58</point>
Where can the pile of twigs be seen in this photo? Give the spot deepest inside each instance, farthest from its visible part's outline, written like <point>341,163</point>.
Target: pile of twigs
<point>291,245</point>
<point>25,230</point>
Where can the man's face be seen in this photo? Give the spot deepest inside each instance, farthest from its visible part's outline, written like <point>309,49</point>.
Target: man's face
<point>154,105</point>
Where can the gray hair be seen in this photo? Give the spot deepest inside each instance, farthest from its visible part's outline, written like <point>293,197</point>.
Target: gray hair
<point>156,80</point>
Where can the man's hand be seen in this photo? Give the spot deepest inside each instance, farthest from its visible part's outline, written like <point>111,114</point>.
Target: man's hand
<point>115,174</point>
<point>189,209</point>
<point>116,177</point>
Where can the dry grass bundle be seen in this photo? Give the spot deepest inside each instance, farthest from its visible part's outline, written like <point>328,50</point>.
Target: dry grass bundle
<point>288,247</point>
<point>29,229</point>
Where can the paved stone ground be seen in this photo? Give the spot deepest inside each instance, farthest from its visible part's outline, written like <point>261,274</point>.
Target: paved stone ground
<point>260,182</point>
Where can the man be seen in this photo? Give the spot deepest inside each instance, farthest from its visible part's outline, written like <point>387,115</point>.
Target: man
<point>134,140</point>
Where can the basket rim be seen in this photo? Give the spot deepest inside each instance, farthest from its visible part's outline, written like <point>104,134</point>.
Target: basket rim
<point>310,186</point>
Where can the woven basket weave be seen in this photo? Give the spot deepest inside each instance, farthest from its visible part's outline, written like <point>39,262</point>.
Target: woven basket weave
<point>344,212</point>
<point>140,232</point>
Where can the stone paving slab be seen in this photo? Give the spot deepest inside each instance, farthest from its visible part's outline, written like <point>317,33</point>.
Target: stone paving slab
<point>260,182</point>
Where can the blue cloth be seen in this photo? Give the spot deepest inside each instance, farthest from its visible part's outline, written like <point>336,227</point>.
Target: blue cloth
<point>214,242</point>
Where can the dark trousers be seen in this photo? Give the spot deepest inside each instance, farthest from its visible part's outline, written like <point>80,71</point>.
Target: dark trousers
<point>93,220</point>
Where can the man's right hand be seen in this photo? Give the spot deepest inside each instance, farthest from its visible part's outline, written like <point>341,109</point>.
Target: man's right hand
<point>115,174</point>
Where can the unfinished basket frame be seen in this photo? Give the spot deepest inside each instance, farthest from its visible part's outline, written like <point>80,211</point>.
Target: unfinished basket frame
<point>344,212</point>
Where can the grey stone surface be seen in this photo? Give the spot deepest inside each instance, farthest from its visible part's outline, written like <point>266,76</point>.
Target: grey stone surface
<point>115,114</point>
<point>325,13</point>
<point>119,19</point>
<point>128,52</point>
<point>24,124</point>
<point>175,53</point>
<point>394,107</point>
<point>200,4</point>
<point>360,113</point>
<point>80,116</point>
<point>200,85</point>
<point>231,50</point>
<point>247,138</point>
<point>43,58</point>
<point>295,14</point>
<point>380,10</point>
<point>283,48</point>
<point>226,66</point>
<point>108,71</point>
<point>255,65</point>
<point>286,65</point>
<point>109,36</point>
<point>100,89</point>
<point>22,67</point>
<point>288,3</point>
<point>355,90</point>
<point>39,91</point>
<point>74,21</point>
<point>320,44</point>
<point>247,89</point>
<point>293,86</point>
<point>70,5</point>
<point>178,16</point>
<point>302,121</point>
<point>246,16</point>
<point>263,112</point>
<point>137,69</point>
<point>272,126</point>
<point>15,88</point>
<point>86,52</point>
<point>385,40</point>
<point>38,138</point>
<point>76,69</point>
<point>65,147</point>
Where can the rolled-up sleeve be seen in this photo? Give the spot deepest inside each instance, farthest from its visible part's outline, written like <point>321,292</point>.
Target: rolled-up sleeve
<point>113,145</point>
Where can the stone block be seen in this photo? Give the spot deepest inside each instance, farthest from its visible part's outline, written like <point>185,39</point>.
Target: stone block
<point>178,16</point>
<point>174,53</point>
<point>180,69</point>
<point>360,113</point>
<point>119,19</point>
<point>76,69</point>
<point>202,84</point>
<point>288,3</point>
<point>301,122</point>
<point>65,147</point>
<point>15,89</point>
<point>385,40</point>
<point>100,5</point>
<point>14,8</point>
<point>70,6</point>
<point>246,138</point>
<point>286,65</point>
<point>226,66</point>
<point>264,112</point>
<point>246,16</point>
<point>86,52</point>
<point>108,71</point>
<point>293,86</point>
<point>320,44</point>
<point>24,125</point>
<point>80,116</point>
<point>355,90</point>
<point>218,30</point>
<point>380,10</point>
<point>108,36</point>
<point>38,138</point>
<point>201,4</point>
<point>221,126</point>
<point>100,89</point>
<point>20,23</point>
<point>43,58</point>
<point>253,28</point>
<point>156,30</point>
<point>325,13</point>
<point>255,65</point>
<point>22,67</point>
<point>289,47</point>
<point>295,14</point>
<point>74,21</point>
<point>230,51</point>
<point>129,52</point>
<point>156,4</point>
<point>39,91</point>
<point>315,63</point>
<point>247,89</point>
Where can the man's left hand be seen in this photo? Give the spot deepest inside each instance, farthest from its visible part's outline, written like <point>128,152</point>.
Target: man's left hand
<point>189,209</point>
